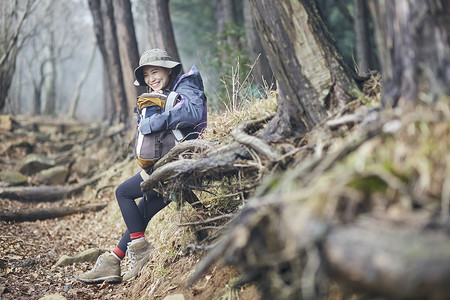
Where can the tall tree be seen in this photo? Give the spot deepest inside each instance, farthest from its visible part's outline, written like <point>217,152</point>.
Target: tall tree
<point>50,78</point>
<point>116,107</point>
<point>361,26</point>
<point>160,28</point>
<point>76,95</point>
<point>312,77</point>
<point>37,82</point>
<point>14,15</point>
<point>128,47</point>
<point>225,21</point>
<point>262,71</point>
<point>413,40</point>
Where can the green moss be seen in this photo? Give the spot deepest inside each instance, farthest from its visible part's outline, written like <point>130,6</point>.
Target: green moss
<point>369,184</point>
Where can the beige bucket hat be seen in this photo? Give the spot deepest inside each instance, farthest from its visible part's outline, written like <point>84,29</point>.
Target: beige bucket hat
<point>154,57</point>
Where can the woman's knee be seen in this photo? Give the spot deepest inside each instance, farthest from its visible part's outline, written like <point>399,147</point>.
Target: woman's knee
<point>129,189</point>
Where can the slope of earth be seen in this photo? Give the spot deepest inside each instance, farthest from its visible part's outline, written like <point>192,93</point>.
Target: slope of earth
<point>29,250</point>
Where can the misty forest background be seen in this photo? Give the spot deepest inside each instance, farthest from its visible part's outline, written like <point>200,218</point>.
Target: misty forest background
<point>57,60</point>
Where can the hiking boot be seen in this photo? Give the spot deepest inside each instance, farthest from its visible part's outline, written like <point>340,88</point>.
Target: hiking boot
<point>139,253</point>
<point>106,268</point>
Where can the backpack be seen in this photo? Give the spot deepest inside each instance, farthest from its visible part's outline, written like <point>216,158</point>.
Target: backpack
<point>151,147</point>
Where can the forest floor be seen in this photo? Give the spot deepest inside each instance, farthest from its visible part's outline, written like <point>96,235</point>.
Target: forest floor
<point>29,250</point>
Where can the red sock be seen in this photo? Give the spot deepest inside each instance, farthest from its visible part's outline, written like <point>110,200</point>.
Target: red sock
<point>136,235</point>
<point>119,253</point>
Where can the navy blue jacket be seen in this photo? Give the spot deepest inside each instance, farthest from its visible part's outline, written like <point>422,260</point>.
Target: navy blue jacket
<point>189,115</point>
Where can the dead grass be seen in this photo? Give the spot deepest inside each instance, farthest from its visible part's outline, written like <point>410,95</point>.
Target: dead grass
<point>220,124</point>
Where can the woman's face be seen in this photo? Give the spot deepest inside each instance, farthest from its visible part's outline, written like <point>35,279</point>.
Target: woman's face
<point>157,78</point>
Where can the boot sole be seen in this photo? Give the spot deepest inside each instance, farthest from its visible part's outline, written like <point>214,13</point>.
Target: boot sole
<point>108,279</point>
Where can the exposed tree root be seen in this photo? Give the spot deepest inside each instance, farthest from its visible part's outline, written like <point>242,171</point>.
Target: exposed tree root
<point>292,244</point>
<point>215,163</point>
<point>260,146</point>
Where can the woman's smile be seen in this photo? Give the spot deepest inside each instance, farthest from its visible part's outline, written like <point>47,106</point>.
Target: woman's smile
<point>157,78</point>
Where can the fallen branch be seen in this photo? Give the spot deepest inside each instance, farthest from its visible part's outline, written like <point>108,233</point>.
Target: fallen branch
<point>38,193</point>
<point>44,193</point>
<point>33,214</point>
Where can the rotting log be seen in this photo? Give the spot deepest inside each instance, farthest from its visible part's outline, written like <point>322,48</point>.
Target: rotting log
<point>45,193</point>
<point>399,263</point>
<point>33,214</point>
<point>37,193</point>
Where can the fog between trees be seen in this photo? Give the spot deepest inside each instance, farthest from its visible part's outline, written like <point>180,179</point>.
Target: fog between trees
<point>58,41</point>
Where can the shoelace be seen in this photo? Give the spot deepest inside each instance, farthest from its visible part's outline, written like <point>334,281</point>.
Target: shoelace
<point>132,258</point>
<point>97,264</point>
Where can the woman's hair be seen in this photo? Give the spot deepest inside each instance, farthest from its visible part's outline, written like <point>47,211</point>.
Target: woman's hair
<point>174,75</point>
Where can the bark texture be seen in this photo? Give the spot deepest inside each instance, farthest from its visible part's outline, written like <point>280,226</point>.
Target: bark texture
<point>361,25</point>
<point>128,48</point>
<point>12,38</point>
<point>262,72</point>
<point>225,17</point>
<point>414,49</point>
<point>311,75</point>
<point>105,31</point>
<point>160,28</point>
<point>418,262</point>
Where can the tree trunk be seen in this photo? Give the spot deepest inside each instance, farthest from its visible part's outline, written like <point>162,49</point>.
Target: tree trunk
<point>109,109</point>
<point>7,69</point>
<point>37,89</point>
<point>225,17</point>
<point>105,32</point>
<point>413,44</point>
<point>160,27</point>
<point>11,42</point>
<point>362,36</point>
<point>129,53</point>
<point>311,74</point>
<point>50,78</point>
<point>83,77</point>
<point>113,57</point>
<point>262,71</point>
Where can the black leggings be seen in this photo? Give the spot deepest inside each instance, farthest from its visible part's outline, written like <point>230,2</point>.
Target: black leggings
<point>136,217</point>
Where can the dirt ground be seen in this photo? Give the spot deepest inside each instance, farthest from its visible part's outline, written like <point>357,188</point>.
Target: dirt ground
<point>29,250</point>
